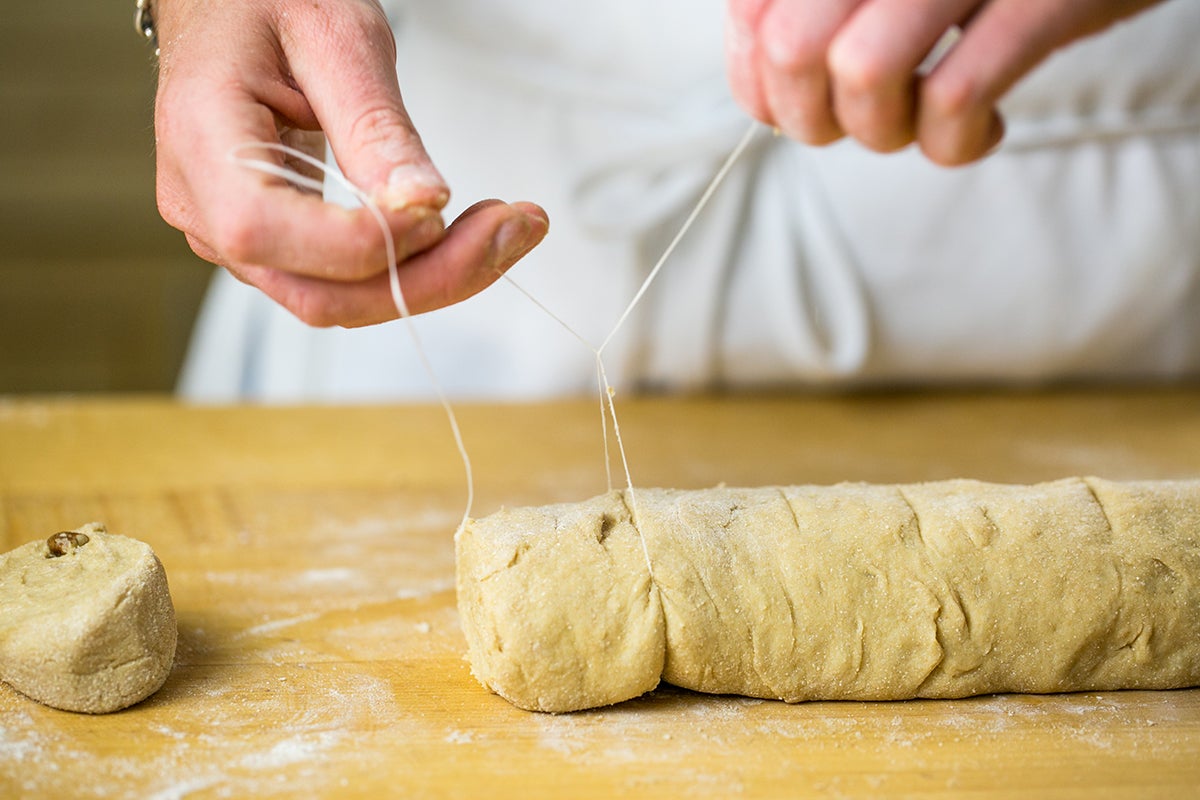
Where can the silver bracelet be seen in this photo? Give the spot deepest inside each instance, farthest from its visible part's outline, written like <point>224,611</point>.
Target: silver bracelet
<point>143,22</point>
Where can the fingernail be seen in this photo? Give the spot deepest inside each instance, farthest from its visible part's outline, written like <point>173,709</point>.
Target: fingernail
<point>427,228</point>
<point>513,239</point>
<point>412,185</point>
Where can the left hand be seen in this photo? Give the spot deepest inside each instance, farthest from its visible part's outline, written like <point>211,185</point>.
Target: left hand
<point>822,69</point>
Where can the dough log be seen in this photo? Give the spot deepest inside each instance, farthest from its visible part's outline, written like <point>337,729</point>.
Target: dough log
<point>848,592</point>
<point>86,622</point>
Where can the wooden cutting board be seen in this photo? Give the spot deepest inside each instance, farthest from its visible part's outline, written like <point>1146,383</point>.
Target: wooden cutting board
<point>310,557</point>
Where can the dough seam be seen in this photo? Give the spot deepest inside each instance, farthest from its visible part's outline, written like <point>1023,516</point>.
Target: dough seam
<point>915,516</point>
<point>631,510</point>
<point>791,602</point>
<point>1103,512</point>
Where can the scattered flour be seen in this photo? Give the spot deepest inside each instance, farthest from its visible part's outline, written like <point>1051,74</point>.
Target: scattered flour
<point>304,747</point>
<point>199,747</point>
<point>460,737</point>
<point>279,624</point>
<point>317,577</point>
<point>422,592</point>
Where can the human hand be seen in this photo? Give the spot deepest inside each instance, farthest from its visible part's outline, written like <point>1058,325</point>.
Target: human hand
<point>294,72</point>
<point>819,71</point>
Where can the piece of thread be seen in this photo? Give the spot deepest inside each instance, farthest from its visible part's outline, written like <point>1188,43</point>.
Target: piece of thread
<point>605,387</point>
<point>397,294</point>
<point>705,196</point>
<point>601,377</point>
<point>606,391</point>
<point>603,423</point>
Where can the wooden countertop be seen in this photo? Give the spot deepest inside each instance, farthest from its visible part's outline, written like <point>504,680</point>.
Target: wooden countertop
<point>310,559</point>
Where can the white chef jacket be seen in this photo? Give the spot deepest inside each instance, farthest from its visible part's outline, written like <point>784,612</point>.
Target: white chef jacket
<point>1073,252</point>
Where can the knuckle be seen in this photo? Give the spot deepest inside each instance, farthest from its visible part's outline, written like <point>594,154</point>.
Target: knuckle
<point>950,95</point>
<point>237,237</point>
<point>955,111</point>
<point>383,126</point>
<point>889,143</point>
<point>437,288</point>
<point>820,137</point>
<point>169,106</point>
<point>815,129</point>
<point>369,18</point>
<point>799,57</point>
<point>169,206</point>
<point>886,129</point>
<point>857,69</point>
<point>944,145</point>
<point>364,256</point>
<point>311,308</point>
<point>176,207</point>
<point>451,290</point>
<point>947,153</point>
<point>356,24</point>
<point>440,289</point>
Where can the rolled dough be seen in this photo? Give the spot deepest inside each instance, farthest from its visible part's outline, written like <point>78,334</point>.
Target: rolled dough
<point>847,592</point>
<point>85,627</point>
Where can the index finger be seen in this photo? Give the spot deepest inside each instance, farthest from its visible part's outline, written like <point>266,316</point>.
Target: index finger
<point>254,218</point>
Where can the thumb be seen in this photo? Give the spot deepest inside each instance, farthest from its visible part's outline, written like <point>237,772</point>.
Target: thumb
<point>345,62</point>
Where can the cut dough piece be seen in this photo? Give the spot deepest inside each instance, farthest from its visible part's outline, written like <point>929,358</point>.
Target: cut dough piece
<point>86,622</point>
<point>847,592</point>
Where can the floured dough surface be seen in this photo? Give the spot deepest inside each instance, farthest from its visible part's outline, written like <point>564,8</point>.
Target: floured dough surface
<point>848,592</point>
<point>559,609</point>
<point>89,629</point>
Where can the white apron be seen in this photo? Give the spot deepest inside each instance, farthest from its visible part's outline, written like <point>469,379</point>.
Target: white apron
<point>1072,253</point>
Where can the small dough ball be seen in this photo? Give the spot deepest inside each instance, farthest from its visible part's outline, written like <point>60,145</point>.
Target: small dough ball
<point>86,621</point>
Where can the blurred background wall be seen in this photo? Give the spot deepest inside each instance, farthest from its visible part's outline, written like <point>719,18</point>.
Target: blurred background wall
<point>97,293</point>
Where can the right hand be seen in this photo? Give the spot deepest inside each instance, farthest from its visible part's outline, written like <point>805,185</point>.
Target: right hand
<point>296,71</point>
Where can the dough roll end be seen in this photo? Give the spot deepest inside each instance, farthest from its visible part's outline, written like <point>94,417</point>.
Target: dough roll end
<point>558,607</point>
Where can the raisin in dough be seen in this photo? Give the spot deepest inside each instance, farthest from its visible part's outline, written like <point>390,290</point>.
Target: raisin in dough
<point>848,592</point>
<point>92,629</point>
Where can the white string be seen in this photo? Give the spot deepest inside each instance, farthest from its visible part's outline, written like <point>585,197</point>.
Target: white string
<point>606,390</point>
<point>600,394</point>
<point>607,393</point>
<point>296,178</point>
<point>605,387</point>
<point>730,160</point>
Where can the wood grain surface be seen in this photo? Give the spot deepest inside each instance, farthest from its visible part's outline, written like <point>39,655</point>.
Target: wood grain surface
<point>309,552</point>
